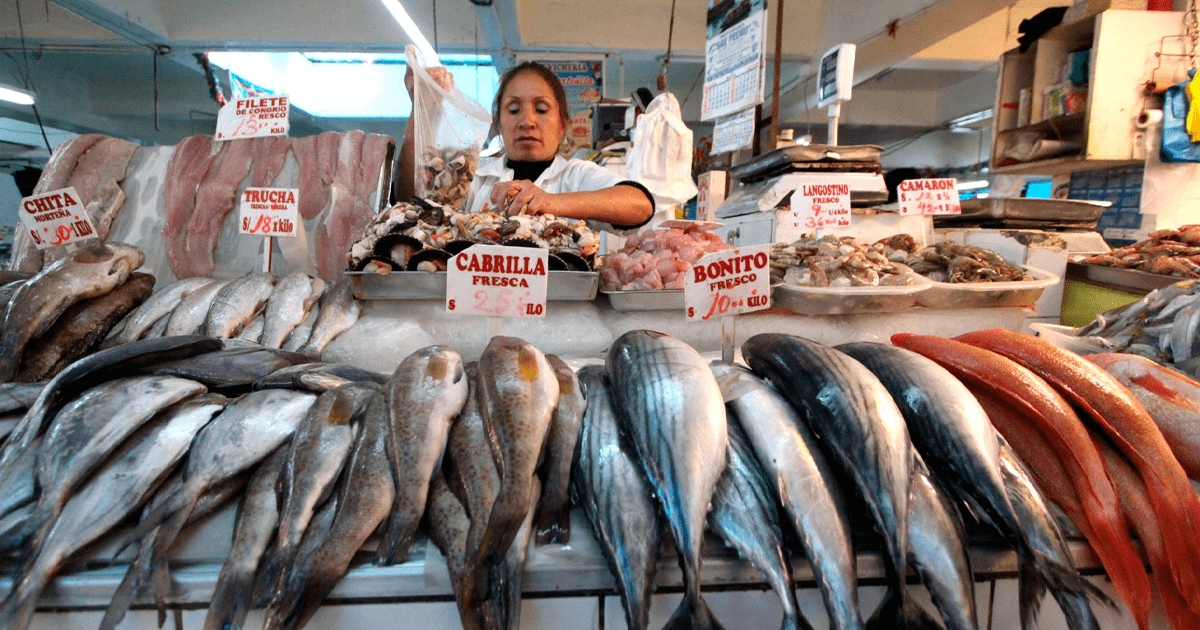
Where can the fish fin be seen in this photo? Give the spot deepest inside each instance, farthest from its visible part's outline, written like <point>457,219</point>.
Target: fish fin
<point>18,608</point>
<point>127,590</point>
<point>1152,384</point>
<point>1038,574</point>
<point>554,529</point>
<point>695,616</point>
<point>231,601</point>
<point>394,543</point>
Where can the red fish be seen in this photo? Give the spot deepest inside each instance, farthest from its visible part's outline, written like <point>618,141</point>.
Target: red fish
<point>1049,414</point>
<point>1172,399</point>
<point>1126,422</point>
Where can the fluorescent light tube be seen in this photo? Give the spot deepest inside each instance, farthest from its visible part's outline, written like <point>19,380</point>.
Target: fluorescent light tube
<point>427,53</point>
<point>975,185</point>
<point>15,95</point>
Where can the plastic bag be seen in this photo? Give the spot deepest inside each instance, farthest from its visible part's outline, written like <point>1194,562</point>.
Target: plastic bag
<point>661,156</point>
<point>449,130</point>
<point>1177,145</point>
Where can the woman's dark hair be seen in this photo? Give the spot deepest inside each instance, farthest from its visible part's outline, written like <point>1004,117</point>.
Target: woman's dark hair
<point>547,75</point>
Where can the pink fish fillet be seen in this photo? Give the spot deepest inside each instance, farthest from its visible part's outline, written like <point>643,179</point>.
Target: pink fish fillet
<point>316,158</point>
<point>26,256</point>
<point>1172,399</point>
<point>343,223</point>
<point>189,163</point>
<point>269,154</point>
<point>97,178</point>
<point>374,152</point>
<point>214,199</point>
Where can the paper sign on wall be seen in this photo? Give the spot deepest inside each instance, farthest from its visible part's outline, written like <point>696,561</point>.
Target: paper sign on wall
<point>728,283</point>
<point>269,212</point>
<point>816,206</point>
<point>498,281</point>
<point>253,118</point>
<point>929,196</point>
<point>55,218</point>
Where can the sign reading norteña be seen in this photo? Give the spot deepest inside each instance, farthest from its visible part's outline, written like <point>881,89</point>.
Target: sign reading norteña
<point>57,217</point>
<point>498,281</point>
<point>728,282</point>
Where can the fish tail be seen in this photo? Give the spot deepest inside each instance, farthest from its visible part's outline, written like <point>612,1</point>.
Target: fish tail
<point>795,620</point>
<point>553,528</point>
<point>1175,605</point>
<point>396,538</point>
<point>16,612</point>
<point>693,614</point>
<point>17,538</point>
<point>123,597</point>
<point>230,603</point>
<point>1077,611</point>
<point>1038,574</point>
<point>1121,562</point>
<point>268,580</point>
<point>1179,532</point>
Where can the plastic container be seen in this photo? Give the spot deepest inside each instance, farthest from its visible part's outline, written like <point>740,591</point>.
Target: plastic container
<point>948,295</point>
<point>848,300</point>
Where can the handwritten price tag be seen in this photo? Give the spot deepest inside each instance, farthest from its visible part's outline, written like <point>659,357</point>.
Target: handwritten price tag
<point>253,118</point>
<point>727,283</point>
<point>929,196</point>
<point>269,212</point>
<point>498,281</point>
<point>55,218</point>
<point>817,206</point>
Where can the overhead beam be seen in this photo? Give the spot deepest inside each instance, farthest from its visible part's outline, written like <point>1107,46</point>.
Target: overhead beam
<point>139,21</point>
<point>498,25</point>
<point>883,50</point>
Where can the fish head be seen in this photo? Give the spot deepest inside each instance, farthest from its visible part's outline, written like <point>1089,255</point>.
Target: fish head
<point>443,364</point>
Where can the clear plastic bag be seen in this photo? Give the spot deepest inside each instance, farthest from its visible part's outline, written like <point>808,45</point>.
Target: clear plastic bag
<point>449,130</point>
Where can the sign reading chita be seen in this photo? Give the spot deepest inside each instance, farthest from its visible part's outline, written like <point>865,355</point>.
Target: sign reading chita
<point>56,217</point>
<point>498,281</point>
<point>728,282</point>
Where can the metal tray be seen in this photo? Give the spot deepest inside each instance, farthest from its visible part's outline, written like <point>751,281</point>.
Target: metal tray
<point>659,300</point>
<point>773,161</point>
<point>848,300</point>
<point>1062,210</point>
<point>423,285</point>
<point>1118,277</point>
<point>985,294</point>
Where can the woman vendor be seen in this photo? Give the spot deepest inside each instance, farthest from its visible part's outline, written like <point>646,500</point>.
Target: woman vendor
<point>530,177</point>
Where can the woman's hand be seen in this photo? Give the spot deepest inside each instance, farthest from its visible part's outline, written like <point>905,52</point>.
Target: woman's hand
<point>522,197</point>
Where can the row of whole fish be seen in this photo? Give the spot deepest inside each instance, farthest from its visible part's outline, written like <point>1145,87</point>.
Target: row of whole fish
<point>1163,326</point>
<point>780,459</point>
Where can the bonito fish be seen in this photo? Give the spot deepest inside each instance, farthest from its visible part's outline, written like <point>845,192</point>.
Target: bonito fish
<point>618,500</point>
<point>802,482</point>
<point>553,521</point>
<point>92,270</point>
<point>853,414</point>
<point>114,492</point>
<point>426,393</point>
<point>670,405</point>
<point>937,547</point>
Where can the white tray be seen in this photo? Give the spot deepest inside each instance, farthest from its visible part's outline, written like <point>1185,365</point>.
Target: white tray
<point>848,300</point>
<point>986,294</point>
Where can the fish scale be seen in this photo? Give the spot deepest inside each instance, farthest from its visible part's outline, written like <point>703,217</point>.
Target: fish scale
<point>669,402</point>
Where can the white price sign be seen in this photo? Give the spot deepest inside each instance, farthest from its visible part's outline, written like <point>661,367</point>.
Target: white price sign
<point>929,196</point>
<point>253,118</point>
<point>269,212</point>
<point>57,217</point>
<point>498,281</point>
<point>816,206</point>
<point>728,282</point>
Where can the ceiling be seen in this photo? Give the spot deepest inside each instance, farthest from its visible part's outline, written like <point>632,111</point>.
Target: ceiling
<point>93,62</point>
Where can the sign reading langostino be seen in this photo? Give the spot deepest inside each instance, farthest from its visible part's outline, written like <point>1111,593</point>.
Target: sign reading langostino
<point>498,281</point>
<point>728,282</point>
<point>253,117</point>
<point>734,67</point>
<point>56,217</point>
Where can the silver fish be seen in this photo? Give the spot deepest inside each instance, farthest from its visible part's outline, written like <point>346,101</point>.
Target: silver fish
<point>364,495</point>
<point>1185,334</point>
<point>159,305</point>
<point>1047,539</point>
<point>618,500</point>
<point>80,328</point>
<point>114,492</point>
<point>236,304</point>
<point>18,396</point>
<point>87,430</point>
<point>290,303</point>
<point>938,549</point>
<point>553,521</point>
<point>745,515</point>
<point>257,518</point>
<point>853,414</point>
<point>92,270</point>
<point>803,483</point>
<point>426,393</point>
<point>234,366</point>
<point>299,335</point>
<point>448,525</point>
<point>339,310</point>
<point>188,317</point>
<point>670,405</point>
<point>20,488</point>
<point>253,329</point>
<point>517,393</point>
<point>292,377</point>
<point>315,458</point>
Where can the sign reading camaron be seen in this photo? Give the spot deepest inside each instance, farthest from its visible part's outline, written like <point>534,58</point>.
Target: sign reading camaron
<point>728,282</point>
<point>498,281</point>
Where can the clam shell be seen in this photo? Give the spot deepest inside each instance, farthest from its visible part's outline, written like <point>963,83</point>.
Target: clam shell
<point>457,246</point>
<point>517,242</point>
<point>376,263</point>
<point>556,264</point>
<point>573,259</point>
<point>438,257</point>
<point>397,248</point>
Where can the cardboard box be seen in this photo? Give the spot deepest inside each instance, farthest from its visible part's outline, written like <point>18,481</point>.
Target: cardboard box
<point>713,186</point>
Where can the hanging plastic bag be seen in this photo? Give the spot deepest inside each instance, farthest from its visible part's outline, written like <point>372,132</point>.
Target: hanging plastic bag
<point>449,130</point>
<point>661,156</point>
<point>1177,145</point>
